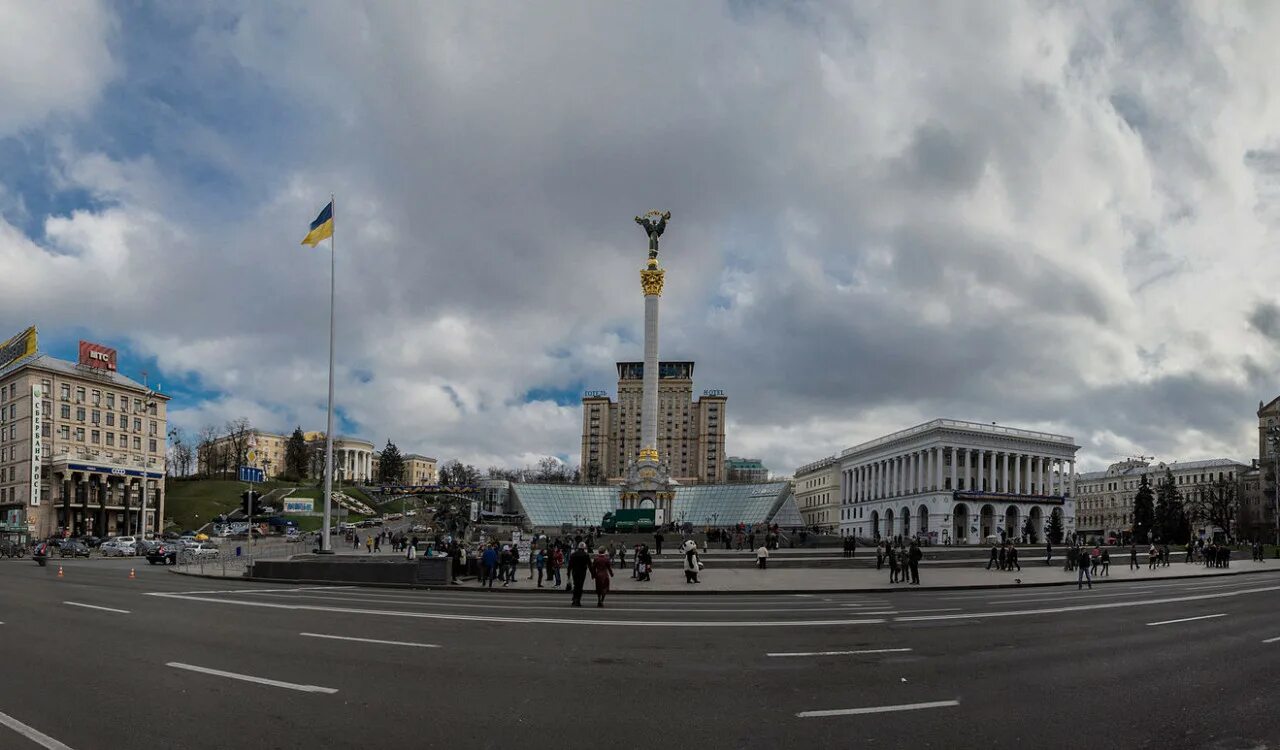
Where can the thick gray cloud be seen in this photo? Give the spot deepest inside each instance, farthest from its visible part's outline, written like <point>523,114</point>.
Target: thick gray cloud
<point>1047,215</point>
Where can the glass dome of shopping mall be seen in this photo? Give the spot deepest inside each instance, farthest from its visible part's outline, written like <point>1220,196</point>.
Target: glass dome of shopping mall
<point>700,505</point>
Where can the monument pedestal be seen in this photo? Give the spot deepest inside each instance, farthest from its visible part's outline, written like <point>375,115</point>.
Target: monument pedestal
<point>649,485</point>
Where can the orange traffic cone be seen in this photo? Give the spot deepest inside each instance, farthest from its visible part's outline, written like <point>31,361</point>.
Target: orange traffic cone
<point>132,575</point>
<point>59,571</point>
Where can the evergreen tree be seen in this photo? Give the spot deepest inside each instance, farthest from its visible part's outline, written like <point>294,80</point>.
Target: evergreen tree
<point>390,465</point>
<point>296,457</point>
<point>1144,512</point>
<point>1170,514</point>
<point>1055,528</point>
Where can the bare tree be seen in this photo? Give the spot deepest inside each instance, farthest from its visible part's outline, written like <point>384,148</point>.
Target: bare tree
<point>1217,504</point>
<point>208,455</point>
<point>238,434</point>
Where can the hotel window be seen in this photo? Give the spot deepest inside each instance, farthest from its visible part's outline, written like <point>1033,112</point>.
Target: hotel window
<point>95,437</point>
<point>96,417</point>
<point>137,406</point>
<point>80,434</point>
<point>124,440</point>
<point>137,443</point>
<point>153,429</point>
<point>151,446</point>
<point>80,395</point>
<point>151,408</point>
<point>80,413</point>
<point>111,439</point>
<point>111,419</point>
<point>44,430</point>
<point>64,432</point>
<point>66,392</point>
<point>137,425</point>
<point>97,398</point>
<point>111,400</point>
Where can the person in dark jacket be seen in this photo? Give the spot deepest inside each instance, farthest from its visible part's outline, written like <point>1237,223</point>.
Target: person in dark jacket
<point>913,560</point>
<point>1012,559</point>
<point>579,564</point>
<point>995,558</point>
<point>490,562</point>
<point>658,539</point>
<point>1083,576</point>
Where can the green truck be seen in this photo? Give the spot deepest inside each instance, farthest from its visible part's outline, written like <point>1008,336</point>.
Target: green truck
<point>637,519</point>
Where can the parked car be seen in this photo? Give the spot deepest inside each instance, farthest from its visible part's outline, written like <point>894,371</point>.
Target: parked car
<point>91,541</point>
<point>73,548</point>
<point>120,546</point>
<point>165,554</point>
<point>418,527</point>
<point>147,546</point>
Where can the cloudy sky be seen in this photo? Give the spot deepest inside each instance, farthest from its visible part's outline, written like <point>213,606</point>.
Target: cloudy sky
<point>1054,215</point>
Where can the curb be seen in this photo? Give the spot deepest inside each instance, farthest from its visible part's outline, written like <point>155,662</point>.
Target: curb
<point>465,590</point>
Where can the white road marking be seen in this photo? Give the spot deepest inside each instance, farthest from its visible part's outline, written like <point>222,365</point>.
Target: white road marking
<point>841,653</point>
<point>1272,640</point>
<point>731,624</point>
<point>876,709</point>
<point>370,640</point>
<point>938,609</point>
<point>1089,607</point>
<point>1188,619</point>
<point>40,738</point>
<point>94,606</point>
<point>535,620</point>
<point>255,591</point>
<point>250,678</point>
<point>451,602</point>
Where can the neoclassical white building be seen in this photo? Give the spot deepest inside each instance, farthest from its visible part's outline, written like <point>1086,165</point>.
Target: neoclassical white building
<point>957,482</point>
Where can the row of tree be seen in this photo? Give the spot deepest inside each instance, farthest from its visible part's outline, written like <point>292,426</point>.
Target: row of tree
<point>1164,515</point>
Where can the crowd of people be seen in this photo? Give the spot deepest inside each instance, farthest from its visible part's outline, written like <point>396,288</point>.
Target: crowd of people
<point>903,561</point>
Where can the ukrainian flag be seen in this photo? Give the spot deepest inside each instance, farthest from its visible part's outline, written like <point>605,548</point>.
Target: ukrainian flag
<point>321,228</point>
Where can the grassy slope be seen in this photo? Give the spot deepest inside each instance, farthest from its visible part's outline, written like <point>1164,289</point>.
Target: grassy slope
<point>192,503</point>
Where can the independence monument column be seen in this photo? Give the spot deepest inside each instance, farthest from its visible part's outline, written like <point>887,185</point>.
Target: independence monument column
<point>648,478</point>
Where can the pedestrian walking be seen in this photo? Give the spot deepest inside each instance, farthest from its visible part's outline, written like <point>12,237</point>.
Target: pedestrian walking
<point>913,560</point>
<point>579,564</point>
<point>377,544</point>
<point>368,543</point>
<point>1095,559</point>
<point>1133,556</point>
<point>1083,576</point>
<point>893,566</point>
<point>1048,553</point>
<point>762,557</point>
<point>1106,562</point>
<point>995,558</point>
<point>411,553</point>
<point>557,562</point>
<point>657,542</point>
<point>1012,559</point>
<point>540,562</point>
<point>644,564</point>
<point>879,555</point>
<point>602,571</point>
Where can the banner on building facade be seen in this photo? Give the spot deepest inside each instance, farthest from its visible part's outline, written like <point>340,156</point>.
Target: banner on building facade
<point>22,345</point>
<point>97,356</point>
<point>37,449</point>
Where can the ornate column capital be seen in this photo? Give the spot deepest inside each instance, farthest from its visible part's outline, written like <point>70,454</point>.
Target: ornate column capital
<point>651,281</point>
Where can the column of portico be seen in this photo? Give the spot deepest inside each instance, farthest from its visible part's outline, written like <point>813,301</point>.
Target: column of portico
<point>954,468</point>
<point>1039,475</point>
<point>899,475</point>
<point>1017,473</point>
<point>1004,471</point>
<point>937,467</point>
<point>984,470</point>
<point>1073,477</point>
<point>917,461</point>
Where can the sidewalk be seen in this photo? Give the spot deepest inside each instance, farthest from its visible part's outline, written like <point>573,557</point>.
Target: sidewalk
<point>830,581</point>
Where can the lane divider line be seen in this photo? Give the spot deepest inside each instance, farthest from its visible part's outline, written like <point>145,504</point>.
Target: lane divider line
<point>36,736</point>
<point>1272,640</point>
<point>1089,607</point>
<point>538,620</point>
<point>1188,619</point>
<point>251,678</point>
<point>841,653</point>
<point>94,606</point>
<point>370,640</point>
<point>876,709</point>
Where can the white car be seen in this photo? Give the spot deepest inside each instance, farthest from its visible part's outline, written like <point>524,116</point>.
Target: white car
<point>199,549</point>
<point>120,546</point>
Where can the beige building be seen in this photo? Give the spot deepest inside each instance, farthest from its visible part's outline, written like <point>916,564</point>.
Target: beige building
<point>1104,499</point>
<point>419,471</point>
<point>353,458</point>
<point>77,443</point>
<point>691,433</point>
<point>817,491</point>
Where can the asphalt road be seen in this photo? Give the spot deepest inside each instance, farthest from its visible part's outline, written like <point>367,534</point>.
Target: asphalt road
<point>1121,666</point>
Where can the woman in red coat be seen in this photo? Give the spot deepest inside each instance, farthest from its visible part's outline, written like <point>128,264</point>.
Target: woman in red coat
<point>602,571</point>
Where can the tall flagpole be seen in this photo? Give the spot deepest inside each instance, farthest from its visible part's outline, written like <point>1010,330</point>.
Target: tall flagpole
<point>325,544</point>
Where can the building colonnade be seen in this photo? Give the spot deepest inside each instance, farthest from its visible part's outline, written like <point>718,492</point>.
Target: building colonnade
<point>950,468</point>
<point>104,504</point>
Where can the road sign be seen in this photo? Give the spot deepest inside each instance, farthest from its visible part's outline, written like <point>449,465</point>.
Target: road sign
<point>251,475</point>
<point>252,456</point>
